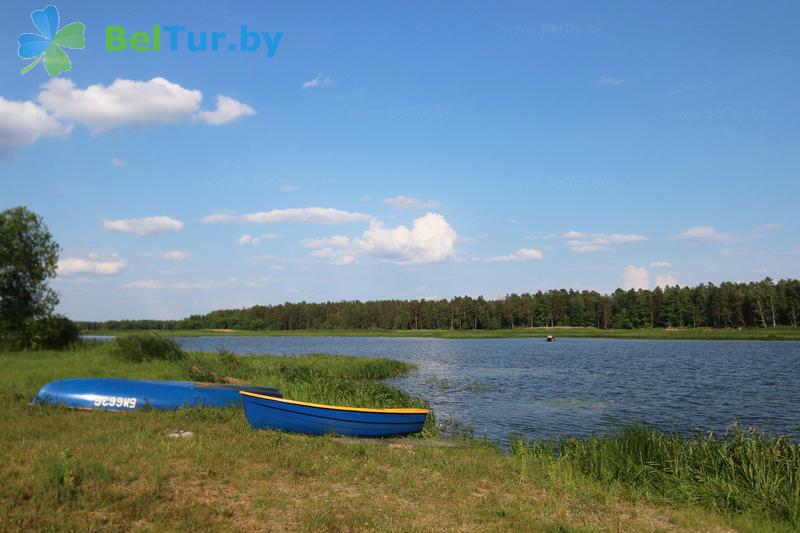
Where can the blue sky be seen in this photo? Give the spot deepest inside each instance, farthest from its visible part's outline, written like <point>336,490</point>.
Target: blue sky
<point>407,150</point>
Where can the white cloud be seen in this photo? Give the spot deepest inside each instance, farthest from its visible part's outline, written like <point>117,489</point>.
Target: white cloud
<point>523,254</point>
<point>117,162</point>
<point>318,81</point>
<point>313,215</point>
<point>598,242</point>
<point>131,103</point>
<point>24,123</point>
<point>710,234</point>
<point>169,255</point>
<point>769,227</point>
<point>667,280</point>
<point>430,239</point>
<point>70,266</point>
<point>157,284</point>
<point>609,81</point>
<point>660,264</point>
<point>278,267</point>
<point>288,188</point>
<point>123,103</point>
<point>636,278</point>
<point>249,239</point>
<point>407,203</point>
<point>228,110</point>
<point>700,232</point>
<point>144,226</point>
<point>219,217</point>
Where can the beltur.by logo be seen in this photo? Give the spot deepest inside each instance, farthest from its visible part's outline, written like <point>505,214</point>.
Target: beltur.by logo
<point>49,43</point>
<point>175,38</point>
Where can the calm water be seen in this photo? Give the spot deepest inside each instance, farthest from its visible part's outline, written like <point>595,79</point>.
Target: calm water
<point>576,386</point>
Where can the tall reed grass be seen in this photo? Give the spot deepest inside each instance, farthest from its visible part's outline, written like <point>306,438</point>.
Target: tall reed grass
<point>738,471</point>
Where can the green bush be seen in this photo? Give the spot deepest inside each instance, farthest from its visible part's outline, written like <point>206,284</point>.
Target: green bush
<point>140,348</point>
<point>54,332</point>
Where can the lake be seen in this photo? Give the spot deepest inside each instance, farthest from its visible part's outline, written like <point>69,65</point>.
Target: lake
<point>576,386</point>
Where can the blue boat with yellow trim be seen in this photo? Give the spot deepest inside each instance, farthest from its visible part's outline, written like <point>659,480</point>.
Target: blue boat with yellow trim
<point>268,412</point>
<point>113,394</point>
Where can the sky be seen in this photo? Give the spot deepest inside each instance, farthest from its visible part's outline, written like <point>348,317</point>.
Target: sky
<point>405,150</point>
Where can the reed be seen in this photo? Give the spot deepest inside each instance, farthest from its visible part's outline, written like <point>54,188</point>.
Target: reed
<point>738,471</point>
<point>148,347</point>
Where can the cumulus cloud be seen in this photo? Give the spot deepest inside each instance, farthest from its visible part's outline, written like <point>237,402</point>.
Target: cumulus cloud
<point>313,215</point>
<point>24,123</point>
<point>636,278</point>
<point>144,226</point>
<point>228,110</point>
<point>523,254</point>
<point>430,239</point>
<point>253,240</point>
<point>319,80</point>
<point>660,264</point>
<point>70,266</point>
<point>131,103</point>
<point>408,203</point>
<point>598,242</point>
<point>605,80</point>
<point>666,280</point>
<point>123,103</point>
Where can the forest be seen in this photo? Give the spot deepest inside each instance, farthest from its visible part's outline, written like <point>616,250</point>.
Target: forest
<point>761,304</point>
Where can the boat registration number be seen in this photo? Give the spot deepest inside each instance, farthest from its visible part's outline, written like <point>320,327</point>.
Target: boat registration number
<point>115,401</point>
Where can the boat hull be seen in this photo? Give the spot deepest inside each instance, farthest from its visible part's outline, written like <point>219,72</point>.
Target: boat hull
<point>264,412</point>
<point>111,394</point>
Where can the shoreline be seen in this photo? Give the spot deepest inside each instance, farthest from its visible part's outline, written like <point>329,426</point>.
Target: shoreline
<point>750,334</point>
<point>216,472</point>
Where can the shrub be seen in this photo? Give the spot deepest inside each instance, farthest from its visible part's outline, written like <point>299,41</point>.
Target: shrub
<point>55,332</point>
<point>140,348</point>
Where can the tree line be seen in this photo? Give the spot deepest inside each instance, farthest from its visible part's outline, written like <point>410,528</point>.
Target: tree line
<point>727,305</point>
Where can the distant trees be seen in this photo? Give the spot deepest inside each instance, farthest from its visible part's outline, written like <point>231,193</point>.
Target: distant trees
<point>728,305</point>
<point>28,259</point>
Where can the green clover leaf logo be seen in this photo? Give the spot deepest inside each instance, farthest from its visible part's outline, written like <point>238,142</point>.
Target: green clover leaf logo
<point>49,42</point>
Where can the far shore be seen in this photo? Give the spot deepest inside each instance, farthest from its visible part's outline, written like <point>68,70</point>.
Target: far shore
<point>777,333</point>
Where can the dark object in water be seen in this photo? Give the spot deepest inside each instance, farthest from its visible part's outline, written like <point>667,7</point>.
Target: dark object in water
<point>550,338</point>
<point>111,394</point>
<point>265,412</point>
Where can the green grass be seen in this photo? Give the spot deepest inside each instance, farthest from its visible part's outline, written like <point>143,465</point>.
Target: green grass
<point>778,333</point>
<point>739,471</point>
<point>68,470</point>
<point>147,347</point>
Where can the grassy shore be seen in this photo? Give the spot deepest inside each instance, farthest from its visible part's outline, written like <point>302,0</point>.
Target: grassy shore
<point>86,470</point>
<point>767,334</point>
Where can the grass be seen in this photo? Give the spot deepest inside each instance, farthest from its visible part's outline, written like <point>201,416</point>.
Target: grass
<point>91,470</point>
<point>147,347</point>
<point>778,333</point>
<point>734,472</point>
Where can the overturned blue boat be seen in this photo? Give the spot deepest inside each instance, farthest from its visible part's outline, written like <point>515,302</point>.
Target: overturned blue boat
<point>268,412</point>
<point>112,394</point>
